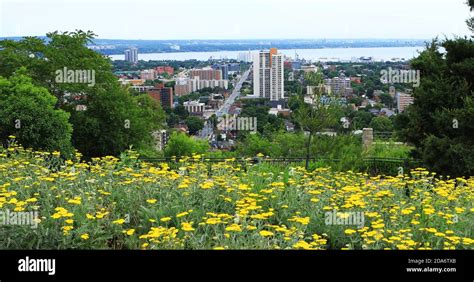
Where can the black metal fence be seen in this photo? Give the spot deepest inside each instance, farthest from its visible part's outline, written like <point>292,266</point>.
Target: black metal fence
<point>373,166</point>
<point>379,135</point>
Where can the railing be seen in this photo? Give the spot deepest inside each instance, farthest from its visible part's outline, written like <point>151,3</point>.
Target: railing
<point>373,166</point>
<point>379,135</point>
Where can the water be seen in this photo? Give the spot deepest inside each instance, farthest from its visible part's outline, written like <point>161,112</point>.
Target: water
<point>324,54</point>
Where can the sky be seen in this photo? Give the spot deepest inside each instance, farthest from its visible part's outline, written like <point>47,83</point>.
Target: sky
<point>241,19</point>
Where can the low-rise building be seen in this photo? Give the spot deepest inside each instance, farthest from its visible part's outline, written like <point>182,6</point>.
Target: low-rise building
<point>163,95</point>
<point>403,101</point>
<point>164,69</point>
<point>148,74</point>
<point>194,108</point>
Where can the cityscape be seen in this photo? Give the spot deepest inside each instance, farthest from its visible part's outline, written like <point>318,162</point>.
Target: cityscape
<point>227,85</point>
<point>146,128</point>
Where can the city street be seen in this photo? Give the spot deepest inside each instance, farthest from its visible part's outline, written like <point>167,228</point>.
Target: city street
<point>207,130</point>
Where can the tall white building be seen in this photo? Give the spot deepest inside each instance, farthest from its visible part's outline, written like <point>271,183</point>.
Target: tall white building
<point>244,57</point>
<point>268,79</point>
<point>131,55</point>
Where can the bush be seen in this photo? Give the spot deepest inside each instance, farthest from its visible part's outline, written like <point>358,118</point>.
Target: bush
<point>180,145</point>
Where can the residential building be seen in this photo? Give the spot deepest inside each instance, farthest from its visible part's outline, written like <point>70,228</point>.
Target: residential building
<point>165,69</point>
<point>279,111</point>
<point>245,57</point>
<point>163,95</point>
<point>338,85</point>
<point>403,101</point>
<point>148,74</point>
<point>185,86</point>
<point>310,68</point>
<point>194,108</point>
<point>141,88</point>
<point>131,55</point>
<point>206,74</point>
<point>224,68</point>
<point>135,82</point>
<point>268,75</point>
<point>224,84</point>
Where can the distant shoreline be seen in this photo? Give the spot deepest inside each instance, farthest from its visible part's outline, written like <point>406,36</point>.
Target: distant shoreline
<point>118,46</point>
<point>314,54</point>
<point>254,50</point>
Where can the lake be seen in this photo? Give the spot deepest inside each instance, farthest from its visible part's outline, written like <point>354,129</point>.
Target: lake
<point>324,54</point>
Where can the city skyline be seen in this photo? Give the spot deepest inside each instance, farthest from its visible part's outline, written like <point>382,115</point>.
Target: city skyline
<point>211,19</point>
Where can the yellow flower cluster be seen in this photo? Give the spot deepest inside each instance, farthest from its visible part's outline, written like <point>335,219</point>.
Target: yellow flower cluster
<point>107,203</point>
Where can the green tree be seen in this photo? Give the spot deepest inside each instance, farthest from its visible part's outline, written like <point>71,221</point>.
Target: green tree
<point>100,130</point>
<point>315,118</point>
<point>253,145</point>
<point>27,112</point>
<point>387,100</point>
<point>181,112</point>
<point>440,123</point>
<point>381,124</point>
<point>180,145</point>
<point>361,120</point>
<point>313,78</point>
<point>115,121</point>
<point>194,124</point>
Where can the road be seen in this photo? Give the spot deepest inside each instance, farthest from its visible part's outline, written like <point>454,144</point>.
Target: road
<point>235,93</point>
<point>207,131</point>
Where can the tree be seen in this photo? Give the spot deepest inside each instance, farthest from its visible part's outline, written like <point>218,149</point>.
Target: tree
<point>381,124</point>
<point>361,120</point>
<point>387,100</point>
<point>180,145</point>
<point>181,112</point>
<point>440,123</point>
<point>194,124</point>
<point>102,128</point>
<point>316,117</point>
<point>253,145</point>
<point>115,121</point>
<point>313,78</point>
<point>470,21</point>
<point>213,120</point>
<point>27,112</point>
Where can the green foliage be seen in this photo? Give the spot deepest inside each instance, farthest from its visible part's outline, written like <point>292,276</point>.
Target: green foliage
<point>313,78</point>
<point>114,121</point>
<point>194,124</point>
<point>440,123</point>
<point>182,145</point>
<point>31,107</point>
<point>181,112</point>
<point>361,120</point>
<point>389,150</point>
<point>387,100</point>
<point>266,123</point>
<point>100,130</point>
<point>317,117</point>
<point>381,124</point>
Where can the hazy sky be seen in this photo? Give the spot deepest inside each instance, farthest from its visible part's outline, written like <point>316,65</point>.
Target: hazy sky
<point>239,19</point>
